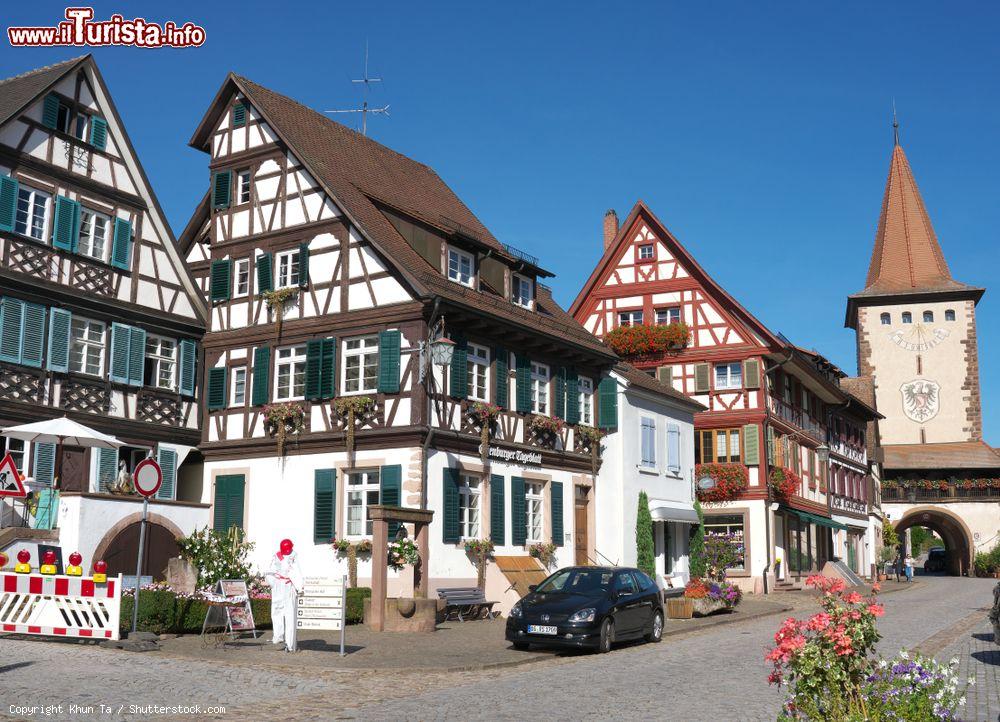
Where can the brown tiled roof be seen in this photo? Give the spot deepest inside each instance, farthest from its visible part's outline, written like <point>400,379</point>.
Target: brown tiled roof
<point>956,455</point>
<point>18,91</point>
<point>643,380</point>
<point>862,388</point>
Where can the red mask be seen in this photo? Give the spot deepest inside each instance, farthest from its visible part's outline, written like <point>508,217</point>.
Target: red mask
<point>286,547</point>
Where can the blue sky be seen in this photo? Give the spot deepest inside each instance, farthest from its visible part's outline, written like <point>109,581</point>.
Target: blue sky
<point>758,132</point>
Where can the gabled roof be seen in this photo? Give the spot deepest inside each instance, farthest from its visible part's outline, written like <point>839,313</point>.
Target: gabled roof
<point>360,174</point>
<point>20,90</point>
<point>642,380</point>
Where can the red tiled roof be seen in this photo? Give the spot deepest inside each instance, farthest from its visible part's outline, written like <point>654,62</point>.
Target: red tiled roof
<point>18,91</point>
<point>956,455</point>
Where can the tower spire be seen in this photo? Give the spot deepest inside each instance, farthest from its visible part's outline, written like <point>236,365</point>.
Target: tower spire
<point>895,125</point>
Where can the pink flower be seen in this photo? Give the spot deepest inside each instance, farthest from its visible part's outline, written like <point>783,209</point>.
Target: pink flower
<point>819,622</point>
<point>876,610</point>
<point>852,598</point>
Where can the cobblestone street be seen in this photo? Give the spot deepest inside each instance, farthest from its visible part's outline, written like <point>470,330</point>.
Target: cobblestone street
<point>710,675</point>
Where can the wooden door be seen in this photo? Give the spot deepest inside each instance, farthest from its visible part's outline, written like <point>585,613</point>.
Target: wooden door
<point>582,534</point>
<point>74,476</point>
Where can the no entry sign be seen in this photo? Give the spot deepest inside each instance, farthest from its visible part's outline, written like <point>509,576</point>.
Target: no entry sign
<point>147,477</point>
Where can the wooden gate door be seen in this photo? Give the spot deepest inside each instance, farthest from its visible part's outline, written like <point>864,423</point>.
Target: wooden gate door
<point>582,533</point>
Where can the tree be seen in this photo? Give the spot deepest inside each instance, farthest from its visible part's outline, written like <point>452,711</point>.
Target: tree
<point>697,551</point>
<point>890,538</point>
<point>644,537</point>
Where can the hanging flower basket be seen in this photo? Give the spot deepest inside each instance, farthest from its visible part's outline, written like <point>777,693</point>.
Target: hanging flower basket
<point>480,550</point>
<point>343,548</point>
<point>631,341</point>
<point>284,420</point>
<point>784,483</point>
<point>546,428</point>
<point>349,408</point>
<point>590,437</point>
<point>276,300</point>
<point>731,480</point>
<point>485,415</point>
<point>402,552</point>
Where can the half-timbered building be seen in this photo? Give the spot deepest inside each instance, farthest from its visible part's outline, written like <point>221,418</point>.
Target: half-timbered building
<point>767,402</point>
<point>331,263</point>
<point>100,320</point>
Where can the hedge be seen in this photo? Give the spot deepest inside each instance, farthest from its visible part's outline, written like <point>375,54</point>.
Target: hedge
<point>163,612</point>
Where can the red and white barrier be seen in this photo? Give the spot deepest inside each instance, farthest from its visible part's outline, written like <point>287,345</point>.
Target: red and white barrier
<point>60,606</point>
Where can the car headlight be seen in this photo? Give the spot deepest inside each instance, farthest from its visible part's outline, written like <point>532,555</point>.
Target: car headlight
<point>584,615</point>
<point>515,611</point>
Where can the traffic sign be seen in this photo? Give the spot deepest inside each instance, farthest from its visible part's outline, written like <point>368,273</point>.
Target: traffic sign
<point>10,479</point>
<point>147,477</point>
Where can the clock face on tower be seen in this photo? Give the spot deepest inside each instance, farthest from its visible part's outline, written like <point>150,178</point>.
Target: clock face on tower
<point>919,337</point>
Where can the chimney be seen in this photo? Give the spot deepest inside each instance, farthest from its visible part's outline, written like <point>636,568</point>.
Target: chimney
<point>610,227</point>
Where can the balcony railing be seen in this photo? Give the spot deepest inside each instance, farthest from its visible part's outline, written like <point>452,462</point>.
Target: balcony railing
<point>901,494</point>
<point>797,417</point>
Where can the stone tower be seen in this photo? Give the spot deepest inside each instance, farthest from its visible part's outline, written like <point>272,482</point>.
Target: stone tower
<point>916,326</point>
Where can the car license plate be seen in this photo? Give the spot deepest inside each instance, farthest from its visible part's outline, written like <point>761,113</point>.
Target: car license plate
<point>539,629</point>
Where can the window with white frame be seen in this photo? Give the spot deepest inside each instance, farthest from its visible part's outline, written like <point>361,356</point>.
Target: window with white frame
<point>290,373</point>
<point>238,397</point>
<point>673,448</point>
<point>361,364</point>
<point>645,252</point>
<point>94,228</point>
<point>288,268</point>
<point>540,388</point>
<point>630,318</point>
<point>18,450</point>
<point>533,503</point>
<point>478,366</point>
<point>461,267</point>
<point>32,210</point>
<point>586,390</point>
<point>729,376</point>
<point>161,362</point>
<point>243,180</point>
<point>647,439</point>
<point>468,505</point>
<point>668,315</point>
<point>362,492</point>
<point>241,279</point>
<point>86,348</point>
<point>524,291</point>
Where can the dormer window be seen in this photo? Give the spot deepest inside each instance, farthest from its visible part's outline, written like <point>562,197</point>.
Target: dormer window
<point>461,267</point>
<point>523,291</point>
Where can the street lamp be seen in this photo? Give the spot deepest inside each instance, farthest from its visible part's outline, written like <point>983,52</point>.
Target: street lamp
<point>442,350</point>
<point>823,453</point>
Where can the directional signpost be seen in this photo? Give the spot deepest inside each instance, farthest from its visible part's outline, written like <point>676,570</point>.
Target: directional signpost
<point>321,605</point>
<point>146,478</point>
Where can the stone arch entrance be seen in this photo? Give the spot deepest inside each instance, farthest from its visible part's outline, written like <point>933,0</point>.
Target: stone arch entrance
<point>952,530</point>
<point>120,546</point>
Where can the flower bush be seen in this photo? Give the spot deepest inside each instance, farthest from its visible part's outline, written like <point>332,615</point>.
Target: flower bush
<point>987,563</point>
<point>913,689</point>
<point>731,480</point>
<point>284,419</point>
<point>217,555</point>
<point>722,551</point>
<point>543,552</point>
<point>717,591</point>
<point>402,552</point>
<point>640,340</point>
<point>784,483</point>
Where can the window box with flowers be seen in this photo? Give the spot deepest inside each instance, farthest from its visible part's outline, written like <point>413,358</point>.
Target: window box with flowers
<point>545,429</point>
<point>731,480</point>
<point>784,483</point>
<point>284,420</point>
<point>543,552</point>
<point>640,340</point>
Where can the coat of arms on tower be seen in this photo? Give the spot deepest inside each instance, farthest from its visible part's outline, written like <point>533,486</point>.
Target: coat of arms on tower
<point>921,399</point>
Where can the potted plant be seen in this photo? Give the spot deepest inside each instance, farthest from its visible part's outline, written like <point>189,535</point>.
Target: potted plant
<point>680,608</point>
<point>284,420</point>
<point>543,552</point>
<point>546,428</point>
<point>402,552</point>
<point>784,483</point>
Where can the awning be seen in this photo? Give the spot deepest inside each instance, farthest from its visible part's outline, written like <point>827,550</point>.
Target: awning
<point>662,510</point>
<point>814,519</point>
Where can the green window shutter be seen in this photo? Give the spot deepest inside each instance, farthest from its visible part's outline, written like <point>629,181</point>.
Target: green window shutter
<point>229,494</point>
<point>523,384</point>
<point>314,357</point>
<point>8,202</point>
<point>449,505</point>
<point>167,459</point>
<point>304,264</point>
<point>11,329</point>
<point>389,343</point>
<point>121,248</point>
<point>216,393</point>
<point>222,183</point>
<point>497,511</point>
<point>260,393</point>
<point>572,397</point>
<point>458,377</point>
<point>220,283</point>
<point>559,405</point>
<point>98,132</point>
<point>502,385</point>
<point>118,370</point>
<point>391,491</point>
<point>770,445</point>
<point>136,356</point>
<point>188,366</point>
<point>239,115</point>
<point>45,464</point>
<point>751,373</point>
<point>557,512</point>
<point>665,375</point>
<point>328,369</point>
<point>701,378</point>
<point>65,227</point>
<point>607,404</point>
<point>751,444</point>
<point>107,469</point>
<point>324,505</point>
<point>59,324</point>
<point>265,280</point>
<point>50,111</point>
<point>33,344</point>
<point>518,514</point>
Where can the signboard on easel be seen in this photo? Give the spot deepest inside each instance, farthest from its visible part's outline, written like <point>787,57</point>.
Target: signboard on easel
<point>322,605</point>
<point>240,618</point>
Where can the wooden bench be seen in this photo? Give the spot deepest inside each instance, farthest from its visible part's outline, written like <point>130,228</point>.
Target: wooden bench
<point>463,602</point>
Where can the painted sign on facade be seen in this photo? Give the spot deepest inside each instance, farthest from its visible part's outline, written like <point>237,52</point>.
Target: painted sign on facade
<point>921,399</point>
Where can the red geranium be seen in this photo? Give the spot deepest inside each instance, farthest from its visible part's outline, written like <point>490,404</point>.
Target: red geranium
<point>784,482</point>
<point>731,480</point>
<point>641,339</point>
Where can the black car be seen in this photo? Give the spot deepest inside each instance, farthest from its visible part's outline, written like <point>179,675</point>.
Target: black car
<point>588,607</point>
<point>937,560</point>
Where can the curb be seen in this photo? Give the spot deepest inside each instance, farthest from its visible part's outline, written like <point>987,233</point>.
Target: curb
<point>728,619</point>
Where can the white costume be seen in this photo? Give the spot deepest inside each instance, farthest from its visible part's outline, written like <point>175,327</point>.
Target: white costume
<point>285,579</point>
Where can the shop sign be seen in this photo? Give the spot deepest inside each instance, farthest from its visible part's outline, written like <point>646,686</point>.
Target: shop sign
<point>516,456</point>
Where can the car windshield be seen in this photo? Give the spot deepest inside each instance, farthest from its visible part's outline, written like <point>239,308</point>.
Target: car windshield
<point>576,581</point>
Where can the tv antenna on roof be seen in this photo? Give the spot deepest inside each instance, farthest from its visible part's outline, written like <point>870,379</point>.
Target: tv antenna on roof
<point>364,109</point>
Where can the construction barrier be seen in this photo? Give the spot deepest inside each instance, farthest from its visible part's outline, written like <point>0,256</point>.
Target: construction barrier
<point>60,605</point>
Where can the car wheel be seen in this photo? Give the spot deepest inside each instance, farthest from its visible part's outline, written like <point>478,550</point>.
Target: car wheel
<point>520,645</point>
<point>607,636</point>
<point>656,630</point>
